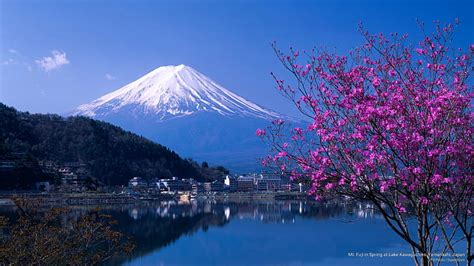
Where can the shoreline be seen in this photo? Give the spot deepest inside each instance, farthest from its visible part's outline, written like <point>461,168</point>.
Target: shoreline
<point>64,199</point>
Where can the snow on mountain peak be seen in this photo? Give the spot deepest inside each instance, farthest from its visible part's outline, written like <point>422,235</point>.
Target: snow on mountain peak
<point>173,91</point>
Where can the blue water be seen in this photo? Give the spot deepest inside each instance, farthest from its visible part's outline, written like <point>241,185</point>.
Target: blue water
<point>278,233</point>
<point>253,233</point>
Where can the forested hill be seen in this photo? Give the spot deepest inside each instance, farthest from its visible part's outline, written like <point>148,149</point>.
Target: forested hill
<point>110,154</point>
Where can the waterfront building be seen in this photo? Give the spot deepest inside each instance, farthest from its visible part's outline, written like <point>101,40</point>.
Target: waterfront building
<point>286,187</point>
<point>198,188</point>
<point>7,164</point>
<point>245,183</point>
<point>300,187</point>
<point>162,185</point>
<point>48,167</point>
<point>269,182</point>
<point>230,183</point>
<point>65,171</point>
<point>175,184</point>
<point>207,186</point>
<point>137,183</point>
<point>217,186</point>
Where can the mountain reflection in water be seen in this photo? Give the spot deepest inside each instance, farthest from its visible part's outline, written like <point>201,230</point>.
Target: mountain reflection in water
<point>155,225</point>
<point>251,233</point>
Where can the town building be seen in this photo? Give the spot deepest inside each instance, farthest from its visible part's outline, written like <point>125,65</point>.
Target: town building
<point>198,188</point>
<point>48,167</point>
<point>137,183</point>
<point>286,187</point>
<point>230,183</point>
<point>245,183</point>
<point>7,164</point>
<point>207,186</point>
<point>175,184</point>
<point>217,186</point>
<point>269,182</point>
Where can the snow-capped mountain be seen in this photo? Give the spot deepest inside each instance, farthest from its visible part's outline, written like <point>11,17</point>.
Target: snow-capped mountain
<point>188,112</point>
<point>173,91</point>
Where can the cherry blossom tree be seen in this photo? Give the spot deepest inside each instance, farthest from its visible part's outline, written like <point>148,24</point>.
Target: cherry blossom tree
<point>390,123</point>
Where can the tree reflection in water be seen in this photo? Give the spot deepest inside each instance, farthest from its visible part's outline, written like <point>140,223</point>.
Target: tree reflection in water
<point>157,225</point>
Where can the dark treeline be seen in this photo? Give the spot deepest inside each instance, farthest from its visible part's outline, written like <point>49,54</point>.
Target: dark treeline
<point>110,154</point>
<point>209,173</point>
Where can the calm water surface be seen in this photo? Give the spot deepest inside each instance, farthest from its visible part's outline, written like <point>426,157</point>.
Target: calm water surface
<point>272,233</point>
<point>254,233</point>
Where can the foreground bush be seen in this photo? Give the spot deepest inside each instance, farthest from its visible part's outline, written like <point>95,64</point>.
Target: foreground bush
<point>48,238</point>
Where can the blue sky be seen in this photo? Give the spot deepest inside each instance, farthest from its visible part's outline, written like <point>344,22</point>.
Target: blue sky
<point>95,47</point>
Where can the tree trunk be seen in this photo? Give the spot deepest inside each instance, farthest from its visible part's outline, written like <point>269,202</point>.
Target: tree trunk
<point>425,260</point>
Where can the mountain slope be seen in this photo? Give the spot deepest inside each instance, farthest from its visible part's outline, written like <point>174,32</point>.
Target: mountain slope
<point>188,112</point>
<point>173,91</point>
<point>111,154</point>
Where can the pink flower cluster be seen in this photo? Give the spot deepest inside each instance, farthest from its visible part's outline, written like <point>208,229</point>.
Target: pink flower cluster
<point>387,119</point>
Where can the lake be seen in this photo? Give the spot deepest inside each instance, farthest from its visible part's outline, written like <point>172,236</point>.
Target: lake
<point>207,232</point>
<point>258,233</point>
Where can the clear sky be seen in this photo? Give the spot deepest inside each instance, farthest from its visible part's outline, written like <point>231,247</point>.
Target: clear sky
<point>56,55</point>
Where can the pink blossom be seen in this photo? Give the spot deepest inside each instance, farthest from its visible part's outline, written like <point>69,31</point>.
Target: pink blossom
<point>400,208</point>
<point>386,122</point>
<point>329,186</point>
<point>420,51</point>
<point>260,132</point>
<point>376,81</point>
<point>281,154</point>
<point>416,170</point>
<point>424,201</point>
<point>447,180</point>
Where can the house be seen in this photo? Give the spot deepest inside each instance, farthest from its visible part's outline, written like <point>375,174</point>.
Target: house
<point>207,186</point>
<point>137,183</point>
<point>176,184</point>
<point>198,188</point>
<point>4,165</point>
<point>245,183</point>
<point>269,182</point>
<point>300,187</point>
<point>230,183</point>
<point>65,171</point>
<point>48,167</point>
<point>217,186</point>
<point>286,186</point>
<point>162,185</point>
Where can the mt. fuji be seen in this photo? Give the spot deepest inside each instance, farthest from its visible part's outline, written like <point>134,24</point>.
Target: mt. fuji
<point>173,91</point>
<point>183,109</point>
